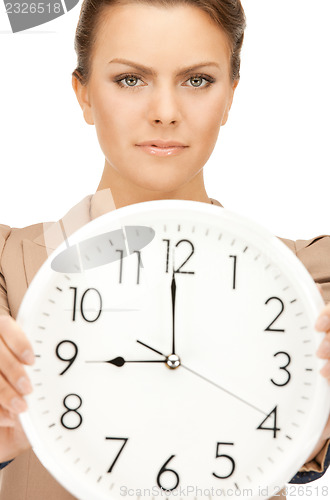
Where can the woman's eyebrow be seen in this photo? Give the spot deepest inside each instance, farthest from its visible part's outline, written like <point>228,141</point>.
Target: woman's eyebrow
<point>149,71</point>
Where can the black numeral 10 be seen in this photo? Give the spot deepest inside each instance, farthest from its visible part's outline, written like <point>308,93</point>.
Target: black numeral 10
<point>83,310</point>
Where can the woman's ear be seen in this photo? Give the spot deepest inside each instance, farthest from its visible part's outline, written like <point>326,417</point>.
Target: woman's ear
<point>230,102</point>
<point>81,92</point>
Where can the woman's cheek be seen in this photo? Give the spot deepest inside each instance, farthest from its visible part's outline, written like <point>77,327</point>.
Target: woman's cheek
<point>210,111</point>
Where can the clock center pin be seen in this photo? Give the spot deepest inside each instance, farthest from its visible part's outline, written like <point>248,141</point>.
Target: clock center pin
<point>173,361</point>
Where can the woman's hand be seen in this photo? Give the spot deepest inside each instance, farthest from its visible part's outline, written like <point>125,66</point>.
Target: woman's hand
<point>323,352</point>
<point>323,325</point>
<point>15,350</point>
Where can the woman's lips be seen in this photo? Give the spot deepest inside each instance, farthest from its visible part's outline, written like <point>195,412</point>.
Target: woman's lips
<point>158,151</point>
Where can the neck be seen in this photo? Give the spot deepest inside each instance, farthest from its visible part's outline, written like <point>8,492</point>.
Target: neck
<point>124,192</point>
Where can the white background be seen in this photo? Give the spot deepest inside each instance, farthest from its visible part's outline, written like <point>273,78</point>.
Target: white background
<point>271,162</point>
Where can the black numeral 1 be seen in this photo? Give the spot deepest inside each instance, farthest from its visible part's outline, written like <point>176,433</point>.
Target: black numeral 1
<point>234,270</point>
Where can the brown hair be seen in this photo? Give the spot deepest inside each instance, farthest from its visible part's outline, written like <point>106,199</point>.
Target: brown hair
<point>228,14</point>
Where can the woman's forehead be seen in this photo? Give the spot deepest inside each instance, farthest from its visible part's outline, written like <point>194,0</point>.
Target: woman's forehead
<point>148,29</point>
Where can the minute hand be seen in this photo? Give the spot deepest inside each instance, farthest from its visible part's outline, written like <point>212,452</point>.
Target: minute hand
<point>223,389</point>
<point>209,381</point>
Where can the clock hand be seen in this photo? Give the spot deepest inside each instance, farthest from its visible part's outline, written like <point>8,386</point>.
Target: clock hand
<point>207,380</point>
<point>120,361</point>
<point>172,361</point>
<point>223,389</point>
<point>173,292</point>
<point>155,350</point>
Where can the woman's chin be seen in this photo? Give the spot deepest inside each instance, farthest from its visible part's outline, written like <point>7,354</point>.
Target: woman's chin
<point>159,185</point>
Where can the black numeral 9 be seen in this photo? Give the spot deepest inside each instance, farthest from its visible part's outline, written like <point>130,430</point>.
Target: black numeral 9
<point>71,359</point>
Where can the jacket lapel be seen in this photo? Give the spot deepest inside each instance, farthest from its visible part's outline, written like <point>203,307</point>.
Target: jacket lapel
<point>52,234</point>
<point>34,256</point>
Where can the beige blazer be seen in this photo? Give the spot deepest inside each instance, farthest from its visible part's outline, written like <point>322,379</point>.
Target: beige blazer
<point>22,252</point>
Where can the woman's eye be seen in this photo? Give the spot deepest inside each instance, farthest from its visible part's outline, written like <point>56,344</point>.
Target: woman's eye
<point>130,79</point>
<point>198,79</point>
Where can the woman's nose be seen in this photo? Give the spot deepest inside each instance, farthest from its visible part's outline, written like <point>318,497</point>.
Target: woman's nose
<point>164,105</point>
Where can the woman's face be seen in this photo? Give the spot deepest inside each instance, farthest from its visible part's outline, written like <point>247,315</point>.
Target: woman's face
<point>129,105</point>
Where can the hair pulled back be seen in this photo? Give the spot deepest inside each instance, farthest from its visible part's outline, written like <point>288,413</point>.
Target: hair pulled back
<point>228,14</point>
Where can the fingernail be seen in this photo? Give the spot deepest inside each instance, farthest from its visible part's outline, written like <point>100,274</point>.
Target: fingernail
<point>323,323</point>
<point>18,404</point>
<point>28,357</point>
<point>23,385</point>
<point>324,348</point>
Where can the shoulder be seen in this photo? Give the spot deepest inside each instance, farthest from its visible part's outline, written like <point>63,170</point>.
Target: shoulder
<point>315,255</point>
<point>11,238</point>
<point>4,233</point>
<point>10,234</point>
<point>313,252</point>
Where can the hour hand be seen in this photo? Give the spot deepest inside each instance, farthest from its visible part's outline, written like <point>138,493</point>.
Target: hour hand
<point>120,361</point>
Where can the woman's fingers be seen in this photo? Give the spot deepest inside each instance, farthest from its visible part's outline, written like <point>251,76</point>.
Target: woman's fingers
<point>323,325</point>
<point>13,370</point>
<point>323,352</point>
<point>326,371</point>
<point>16,340</point>
<point>14,381</point>
<point>323,321</point>
<point>6,418</point>
<point>13,440</point>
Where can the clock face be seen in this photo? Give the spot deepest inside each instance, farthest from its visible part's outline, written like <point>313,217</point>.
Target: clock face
<point>175,350</point>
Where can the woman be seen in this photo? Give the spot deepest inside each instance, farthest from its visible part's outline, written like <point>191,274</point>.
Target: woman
<point>150,75</point>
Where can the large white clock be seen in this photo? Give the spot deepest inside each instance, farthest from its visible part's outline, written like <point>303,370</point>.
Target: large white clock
<point>175,356</point>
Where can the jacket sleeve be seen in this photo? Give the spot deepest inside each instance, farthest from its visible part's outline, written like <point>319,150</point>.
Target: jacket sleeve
<point>4,309</point>
<point>315,255</point>
<point>4,234</point>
